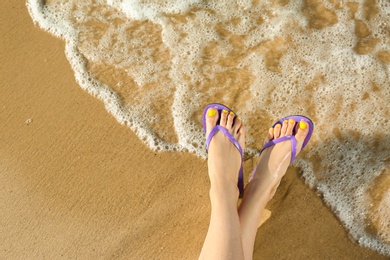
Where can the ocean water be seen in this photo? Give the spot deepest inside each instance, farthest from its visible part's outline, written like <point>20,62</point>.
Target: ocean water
<point>156,64</point>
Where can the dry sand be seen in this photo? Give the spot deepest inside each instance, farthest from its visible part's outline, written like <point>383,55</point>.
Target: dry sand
<point>76,184</point>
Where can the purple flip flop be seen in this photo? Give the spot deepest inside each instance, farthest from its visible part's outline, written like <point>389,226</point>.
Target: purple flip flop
<point>297,119</point>
<point>217,128</point>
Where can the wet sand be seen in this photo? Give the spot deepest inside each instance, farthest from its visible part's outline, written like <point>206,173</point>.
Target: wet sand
<point>76,184</point>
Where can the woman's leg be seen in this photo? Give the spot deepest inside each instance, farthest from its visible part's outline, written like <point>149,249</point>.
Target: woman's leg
<point>272,166</point>
<point>223,239</point>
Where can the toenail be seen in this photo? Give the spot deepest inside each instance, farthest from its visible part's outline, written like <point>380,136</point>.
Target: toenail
<point>224,111</point>
<point>302,125</point>
<point>278,126</point>
<point>231,113</point>
<point>211,112</point>
<point>292,121</point>
<point>285,121</point>
<point>271,130</point>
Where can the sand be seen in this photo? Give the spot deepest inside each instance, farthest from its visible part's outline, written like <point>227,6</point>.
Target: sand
<point>76,184</point>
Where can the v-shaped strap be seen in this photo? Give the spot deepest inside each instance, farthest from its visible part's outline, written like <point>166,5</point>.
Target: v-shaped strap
<point>228,135</point>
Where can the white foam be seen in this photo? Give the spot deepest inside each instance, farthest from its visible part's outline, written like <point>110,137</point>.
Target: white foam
<point>150,10</point>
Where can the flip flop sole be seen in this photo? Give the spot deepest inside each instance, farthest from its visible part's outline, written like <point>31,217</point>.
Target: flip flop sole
<point>297,119</point>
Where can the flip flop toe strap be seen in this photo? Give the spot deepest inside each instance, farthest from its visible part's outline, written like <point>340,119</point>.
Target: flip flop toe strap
<point>228,135</point>
<point>282,139</point>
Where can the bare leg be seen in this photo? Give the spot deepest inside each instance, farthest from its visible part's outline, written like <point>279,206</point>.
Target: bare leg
<point>272,166</point>
<point>223,239</point>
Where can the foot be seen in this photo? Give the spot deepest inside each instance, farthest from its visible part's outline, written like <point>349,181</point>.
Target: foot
<point>224,159</point>
<point>272,166</point>
<point>275,160</point>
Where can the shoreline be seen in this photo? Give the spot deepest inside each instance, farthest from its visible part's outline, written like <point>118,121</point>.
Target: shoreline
<point>77,183</point>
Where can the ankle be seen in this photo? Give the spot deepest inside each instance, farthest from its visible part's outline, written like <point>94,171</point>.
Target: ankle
<point>224,191</point>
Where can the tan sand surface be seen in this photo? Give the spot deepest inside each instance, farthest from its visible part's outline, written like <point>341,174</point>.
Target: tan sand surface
<point>76,184</point>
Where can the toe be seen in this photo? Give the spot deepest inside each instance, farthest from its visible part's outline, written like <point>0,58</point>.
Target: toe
<point>270,136</point>
<point>224,116</point>
<point>283,131</point>
<point>211,120</point>
<point>237,124</point>
<point>241,136</point>
<point>290,127</point>
<point>302,131</point>
<point>230,120</point>
<point>277,130</point>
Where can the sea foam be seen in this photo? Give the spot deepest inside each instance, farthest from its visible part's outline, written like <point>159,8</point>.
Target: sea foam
<point>156,64</point>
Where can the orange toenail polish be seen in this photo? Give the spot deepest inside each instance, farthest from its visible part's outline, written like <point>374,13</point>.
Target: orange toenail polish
<point>292,121</point>
<point>302,125</point>
<point>211,112</point>
<point>224,111</point>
